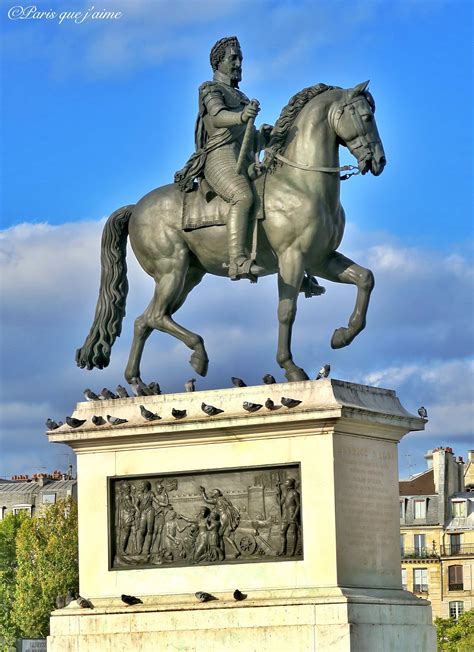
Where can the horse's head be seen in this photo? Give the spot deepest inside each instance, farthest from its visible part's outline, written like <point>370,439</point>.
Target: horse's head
<point>354,122</point>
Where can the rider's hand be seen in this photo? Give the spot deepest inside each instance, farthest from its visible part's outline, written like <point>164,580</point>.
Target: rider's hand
<point>250,111</point>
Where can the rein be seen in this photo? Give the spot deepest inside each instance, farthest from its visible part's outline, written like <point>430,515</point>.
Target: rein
<point>309,168</point>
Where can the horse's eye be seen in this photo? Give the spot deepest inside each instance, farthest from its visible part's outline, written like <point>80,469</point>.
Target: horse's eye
<point>367,117</point>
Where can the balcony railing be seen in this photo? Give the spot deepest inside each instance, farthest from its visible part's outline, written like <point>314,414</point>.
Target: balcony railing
<point>456,587</point>
<point>419,553</point>
<point>420,588</point>
<point>457,549</point>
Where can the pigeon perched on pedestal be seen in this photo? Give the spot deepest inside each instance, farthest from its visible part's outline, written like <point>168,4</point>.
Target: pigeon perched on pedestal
<point>270,405</point>
<point>89,395</point>
<point>75,423</point>
<point>202,596</point>
<point>130,600</point>
<point>190,385</point>
<point>115,421</point>
<point>139,387</point>
<point>324,372</point>
<point>108,395</point>
<point>251,407</point>
<point>154,388</point>
<point>210,410</point>
<point>178,414</point>
<point>289,402</point>
<point>122,392</point>
<point>268,379</point>
<point>149,416</point>
<point>84,603</point>
<point>422,411</point>
<point>98,421</point>
<point>52,425</point>
<point>239,596</point>
<point>238,382</point>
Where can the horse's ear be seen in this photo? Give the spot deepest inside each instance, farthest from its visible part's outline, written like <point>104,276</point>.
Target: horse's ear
<point>361,88</point>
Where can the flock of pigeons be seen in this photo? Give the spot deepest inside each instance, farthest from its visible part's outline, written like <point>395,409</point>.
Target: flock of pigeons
<point>152,389</point>
<point>63,601</point>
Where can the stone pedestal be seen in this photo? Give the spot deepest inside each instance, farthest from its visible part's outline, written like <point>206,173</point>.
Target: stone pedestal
<point>342,593</point>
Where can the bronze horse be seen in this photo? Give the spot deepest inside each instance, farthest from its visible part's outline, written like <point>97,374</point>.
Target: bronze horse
<point>302,228</point>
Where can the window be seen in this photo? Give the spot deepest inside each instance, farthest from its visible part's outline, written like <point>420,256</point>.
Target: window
<point>404,578</point>
<point>456,609</point>
<point>49,499</point>
<point>420,508</point>
<point>455,578</point>
<point>402,544</point>
<point>455,544</point>
<point>2,511</point>
<point>420,580</point>
<point>419,541</point>
<point>458,508</point>
<point>22,508</point>
<point>402,509</point>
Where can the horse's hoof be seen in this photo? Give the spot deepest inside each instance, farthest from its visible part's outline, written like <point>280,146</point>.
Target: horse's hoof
<point>199,364</point>
<point>295,375</point>
<point>340,338</point>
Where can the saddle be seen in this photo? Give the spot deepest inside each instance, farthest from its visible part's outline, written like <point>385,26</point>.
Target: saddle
<point>202,207</point>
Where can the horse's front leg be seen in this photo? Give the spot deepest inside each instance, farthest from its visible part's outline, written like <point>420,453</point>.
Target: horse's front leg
<point>340,269</point>
<point>290,276</point>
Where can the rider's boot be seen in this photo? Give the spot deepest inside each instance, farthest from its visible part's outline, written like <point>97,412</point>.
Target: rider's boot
<point>241,264</point>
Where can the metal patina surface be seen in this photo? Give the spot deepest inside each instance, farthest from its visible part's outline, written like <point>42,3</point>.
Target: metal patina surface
<point>206,517</point>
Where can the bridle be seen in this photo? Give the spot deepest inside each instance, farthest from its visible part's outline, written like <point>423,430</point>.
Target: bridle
<point>361,141</point>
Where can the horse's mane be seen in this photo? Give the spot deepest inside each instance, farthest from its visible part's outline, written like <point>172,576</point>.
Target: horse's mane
<point>287,117</point>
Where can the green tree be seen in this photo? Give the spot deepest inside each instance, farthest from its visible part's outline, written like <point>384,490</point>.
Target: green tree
<point>456,635</point>
<point>47,558</point>
<point>9,528</point>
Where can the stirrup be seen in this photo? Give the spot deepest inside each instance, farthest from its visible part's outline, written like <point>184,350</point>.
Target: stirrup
<point>245,268</point>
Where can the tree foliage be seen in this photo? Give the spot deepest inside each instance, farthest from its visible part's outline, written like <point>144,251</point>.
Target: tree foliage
<point>9,527</point>
<point>456,635</point>
<point>45,554</point>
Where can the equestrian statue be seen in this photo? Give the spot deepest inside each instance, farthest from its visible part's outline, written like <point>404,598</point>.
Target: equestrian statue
<point>229,213</point>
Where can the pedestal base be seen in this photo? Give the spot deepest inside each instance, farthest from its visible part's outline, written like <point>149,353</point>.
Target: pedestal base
<point>399,623</point>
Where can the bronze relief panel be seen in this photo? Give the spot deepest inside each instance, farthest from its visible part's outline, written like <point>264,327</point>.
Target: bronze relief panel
<point>206,517</point>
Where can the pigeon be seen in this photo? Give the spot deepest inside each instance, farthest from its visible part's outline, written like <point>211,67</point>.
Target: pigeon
<point>289,402</point>
<point>423,412</point>
<point>130,599</point>
<point>84,603</point>
<point>251,407</point>
<point>122,392</point>
<point>107,394</point>
<point>154,388</point>
<point>52,425</point>
<point>89,395</point>
<point>115,421</point>
<point>149,416</point>
<point>323,372</point>
<point>238,595</point>
<point>75,423</point>
<point>238,382</point>
<point>64,600</point>
<point>210,410</point>
<point>178,414</point>
<point>60,602</point>
<point>202,596</point>
<point>139,387</point>
<point>270,405</point>
<point>268,379</point>
<point>98,421</point>
<point>190,385</point>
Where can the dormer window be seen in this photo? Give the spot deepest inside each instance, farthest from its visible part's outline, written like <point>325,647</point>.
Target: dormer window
<point>458,508</point>
<point>420,508</point>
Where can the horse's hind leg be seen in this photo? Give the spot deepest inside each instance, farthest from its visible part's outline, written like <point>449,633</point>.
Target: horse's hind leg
<point>171,290</point>
<point>340,269</point>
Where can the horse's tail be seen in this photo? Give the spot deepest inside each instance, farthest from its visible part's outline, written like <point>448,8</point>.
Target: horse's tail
<point>110,309</point>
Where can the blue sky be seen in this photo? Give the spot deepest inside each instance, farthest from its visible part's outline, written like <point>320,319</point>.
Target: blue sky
<point>95,114</point>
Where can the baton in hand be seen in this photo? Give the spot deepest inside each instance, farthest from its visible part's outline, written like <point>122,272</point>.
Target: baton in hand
<point>245,142</point>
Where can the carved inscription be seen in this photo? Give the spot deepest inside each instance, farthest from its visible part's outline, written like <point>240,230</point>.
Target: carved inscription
<point>234,515</point>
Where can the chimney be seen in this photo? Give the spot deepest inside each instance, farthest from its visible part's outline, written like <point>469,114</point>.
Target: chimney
<point>470,456</point>
<point>69,470</point>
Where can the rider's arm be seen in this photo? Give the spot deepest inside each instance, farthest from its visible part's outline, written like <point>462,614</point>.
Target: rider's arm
<point>217,110</point>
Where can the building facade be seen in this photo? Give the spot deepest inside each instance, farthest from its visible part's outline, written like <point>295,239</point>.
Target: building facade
<point>437,533</point>
<point>30,494</point>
